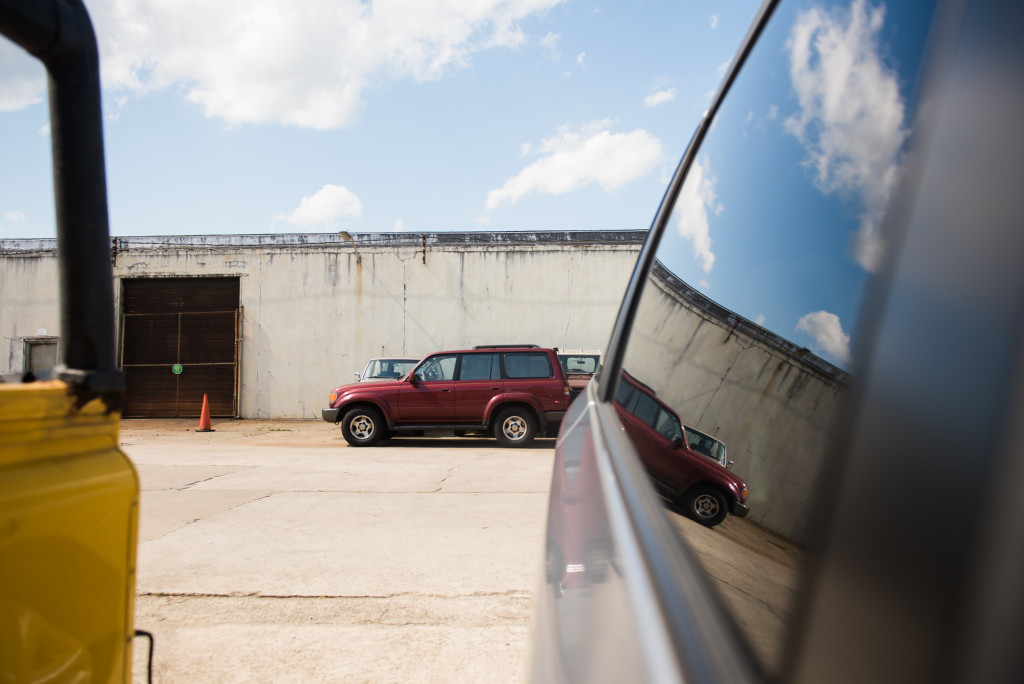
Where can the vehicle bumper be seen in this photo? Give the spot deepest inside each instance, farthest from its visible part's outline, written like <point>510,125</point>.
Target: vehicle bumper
<point>740,510</point>
<point>330,414</point>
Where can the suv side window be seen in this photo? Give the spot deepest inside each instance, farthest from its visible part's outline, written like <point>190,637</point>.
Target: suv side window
<point>480,367</point>
<point>528,365</point>
<point>623,393</point>
<point>645,408</point>
<point>438,368</point>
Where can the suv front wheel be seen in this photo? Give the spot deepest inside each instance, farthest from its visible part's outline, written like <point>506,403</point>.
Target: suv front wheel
<point>363,426</point>
<point>706,505</point>
<point>515,427</point>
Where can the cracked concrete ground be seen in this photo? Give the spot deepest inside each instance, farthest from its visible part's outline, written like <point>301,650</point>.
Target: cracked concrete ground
<point>272,551</point>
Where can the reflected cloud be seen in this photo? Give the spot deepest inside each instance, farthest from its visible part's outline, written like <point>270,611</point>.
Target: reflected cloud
<point>827,331</point>
<point>851,118</point>
<point>696,201</point>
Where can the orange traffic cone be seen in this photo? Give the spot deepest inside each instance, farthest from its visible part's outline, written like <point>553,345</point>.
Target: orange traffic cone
<point>204,418</point>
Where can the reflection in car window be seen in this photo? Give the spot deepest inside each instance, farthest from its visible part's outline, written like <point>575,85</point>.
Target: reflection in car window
<point>745,324</point>
<point>438,368</point>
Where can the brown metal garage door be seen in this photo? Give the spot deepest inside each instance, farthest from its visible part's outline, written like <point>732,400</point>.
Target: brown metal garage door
<point>188,325</point>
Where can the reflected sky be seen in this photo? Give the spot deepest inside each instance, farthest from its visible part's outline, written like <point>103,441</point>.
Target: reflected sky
<point>780,218</point>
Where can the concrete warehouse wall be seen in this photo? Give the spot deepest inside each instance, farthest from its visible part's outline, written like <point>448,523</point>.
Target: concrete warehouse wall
<point>772,403</point>
<point>317,307</point>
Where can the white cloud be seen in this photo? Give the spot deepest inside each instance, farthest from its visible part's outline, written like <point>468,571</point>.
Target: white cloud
<point>576,158</point>
<point>550,41</point>
<point>330,203</point>
<point>760,319</point>
<point>851,118</point>
<point>11,218</point>
<point>827,332</point>
<point>696,200</point>
<point>660,97</point>
<point>399,226</point>
<point>713,21</point>
<point>579,59</point>
<point>297,62</point>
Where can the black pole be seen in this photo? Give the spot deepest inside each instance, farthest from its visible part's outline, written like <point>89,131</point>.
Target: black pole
<point>60,34</point>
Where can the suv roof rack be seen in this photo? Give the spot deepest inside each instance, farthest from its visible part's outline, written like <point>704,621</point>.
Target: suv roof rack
<point>507,346</point>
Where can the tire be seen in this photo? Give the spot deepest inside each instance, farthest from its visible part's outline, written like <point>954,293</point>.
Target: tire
<point>706,505</point>
<point>363,426</point>
<point>515,427</point>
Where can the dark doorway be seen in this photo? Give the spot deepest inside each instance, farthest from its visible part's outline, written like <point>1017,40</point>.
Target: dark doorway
<point>179,341</point>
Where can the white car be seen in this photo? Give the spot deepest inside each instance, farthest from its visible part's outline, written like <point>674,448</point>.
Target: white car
<point>378,370</point>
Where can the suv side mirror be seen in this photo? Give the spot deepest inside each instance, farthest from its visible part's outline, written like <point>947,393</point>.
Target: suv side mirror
<point>358,377</point>
<point>413,378</point>
<point>729,464</point>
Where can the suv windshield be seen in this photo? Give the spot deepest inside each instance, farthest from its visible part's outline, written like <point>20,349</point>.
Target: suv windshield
<point>388,368</point>
<point>706,445</point>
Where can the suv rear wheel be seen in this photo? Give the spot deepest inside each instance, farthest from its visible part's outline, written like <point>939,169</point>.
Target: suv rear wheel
<point>363,426</point>
<point>515,427</point>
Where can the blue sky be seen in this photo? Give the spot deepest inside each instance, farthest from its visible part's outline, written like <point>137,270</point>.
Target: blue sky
<point>281,116</point>
<point>298,116</point>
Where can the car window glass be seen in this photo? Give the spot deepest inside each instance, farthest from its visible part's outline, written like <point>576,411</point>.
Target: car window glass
<point>579,364</point>
<point>746,323</point>
<point>479,367</point>
<point>622,394</point>
<point>527,365</point>
<point>438,368</point>
<point>645,408</point>
<point>668,425</point>
<point>402,367</point>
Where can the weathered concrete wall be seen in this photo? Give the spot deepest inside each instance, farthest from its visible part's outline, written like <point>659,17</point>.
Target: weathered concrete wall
<point>316,307</point>
<point>29,294</point>
<point>771,402</point>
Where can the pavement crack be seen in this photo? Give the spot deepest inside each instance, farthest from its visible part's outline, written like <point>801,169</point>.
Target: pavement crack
<point>440,485</point>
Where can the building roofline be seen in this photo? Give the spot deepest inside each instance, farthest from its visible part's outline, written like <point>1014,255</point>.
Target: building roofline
<point>368,240</point>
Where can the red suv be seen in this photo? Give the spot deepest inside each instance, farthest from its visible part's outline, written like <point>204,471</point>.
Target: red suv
<point>514,392</point>
<point>705,489</point>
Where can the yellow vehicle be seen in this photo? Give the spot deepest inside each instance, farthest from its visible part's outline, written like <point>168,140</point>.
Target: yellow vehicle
<point>68,496</point>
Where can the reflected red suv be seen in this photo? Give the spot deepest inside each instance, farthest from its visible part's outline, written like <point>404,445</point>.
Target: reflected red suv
<point>704,489</point>
<point>512,392</point>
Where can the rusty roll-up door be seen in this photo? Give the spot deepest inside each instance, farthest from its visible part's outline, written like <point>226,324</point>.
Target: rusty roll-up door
<point>179,341</point>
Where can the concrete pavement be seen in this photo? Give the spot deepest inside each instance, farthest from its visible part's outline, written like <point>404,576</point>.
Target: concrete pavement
<point>272,551</point>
